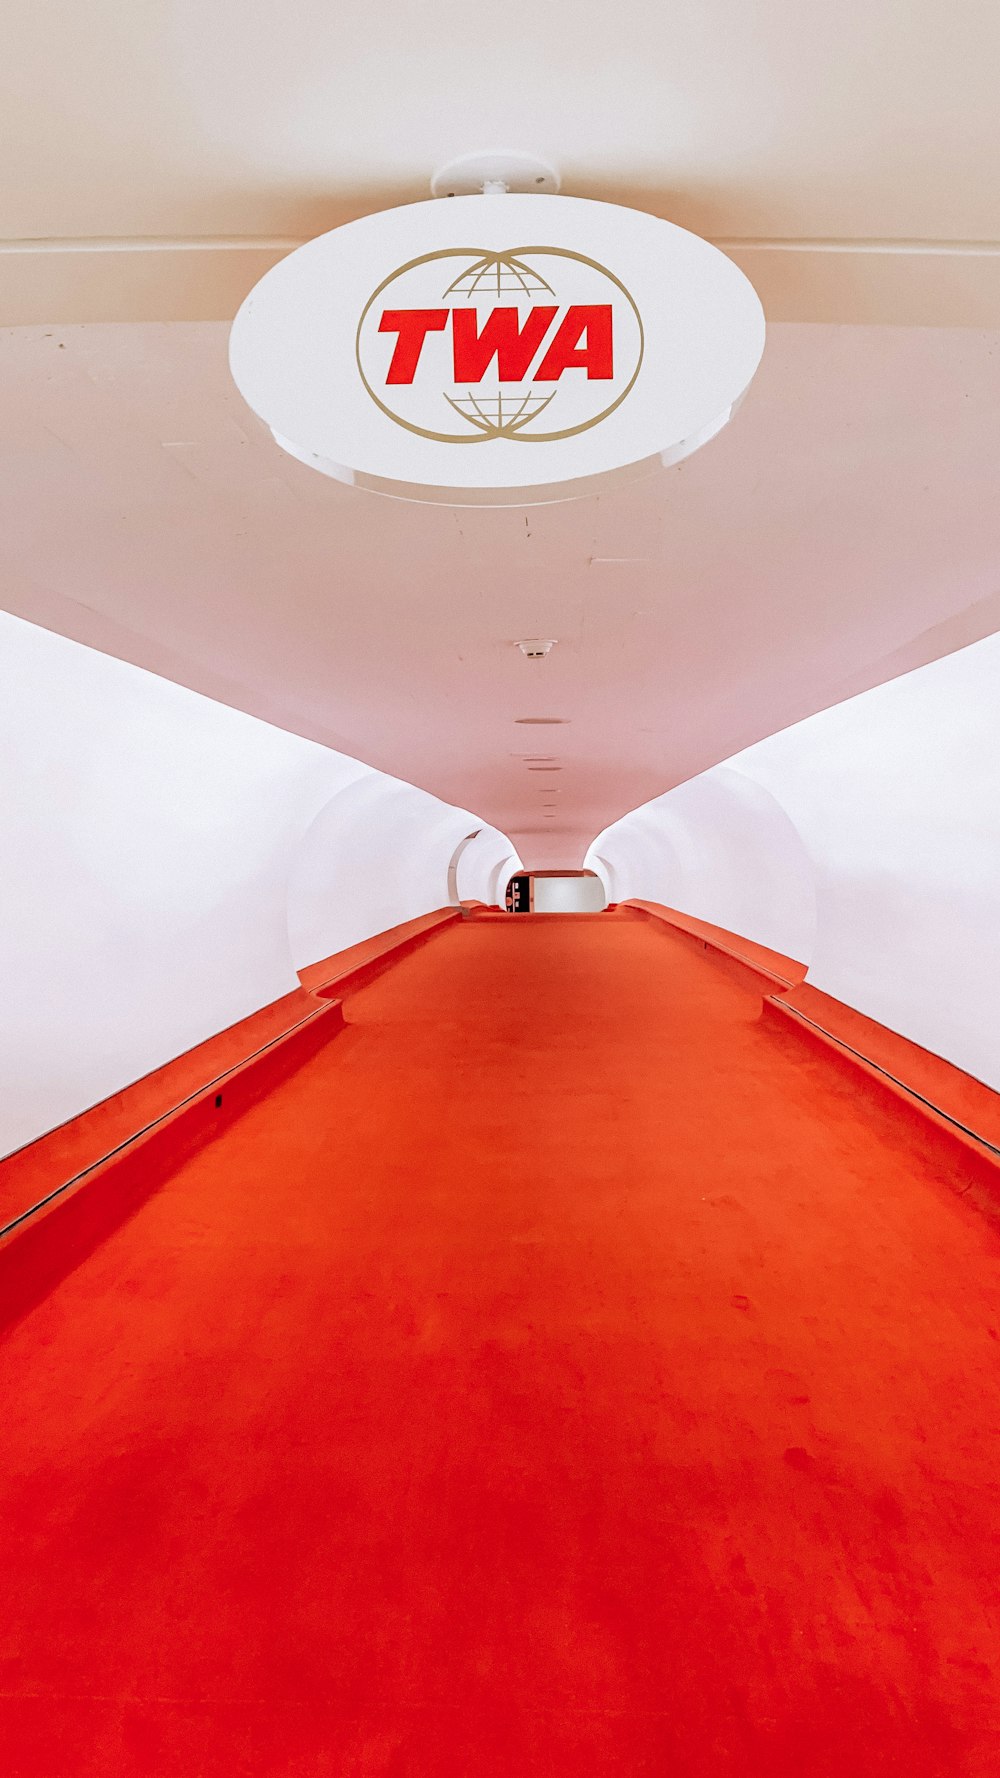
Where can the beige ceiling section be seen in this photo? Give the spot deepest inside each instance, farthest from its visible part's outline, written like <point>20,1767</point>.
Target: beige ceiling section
<point>843,529</point>
<point>157,156</point>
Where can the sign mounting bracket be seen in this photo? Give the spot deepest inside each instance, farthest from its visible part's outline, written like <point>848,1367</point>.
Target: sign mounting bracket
<point>493,173</point>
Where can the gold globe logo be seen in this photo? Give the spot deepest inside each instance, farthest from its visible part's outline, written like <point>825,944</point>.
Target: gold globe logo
<point>465,346</point>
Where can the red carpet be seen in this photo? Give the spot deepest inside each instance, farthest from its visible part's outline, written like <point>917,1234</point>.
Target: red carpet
<point>559,1377</point>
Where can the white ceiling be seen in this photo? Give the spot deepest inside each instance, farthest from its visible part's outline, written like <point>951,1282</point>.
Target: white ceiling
<point>845,527</point>
<point>157,155</point>
<point>155,158</point>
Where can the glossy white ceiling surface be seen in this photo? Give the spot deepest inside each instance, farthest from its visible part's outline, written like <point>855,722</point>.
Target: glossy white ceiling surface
<point>873,118</point>
<point>844,528</point>
<point>157,157</point>
<point>849,153</point>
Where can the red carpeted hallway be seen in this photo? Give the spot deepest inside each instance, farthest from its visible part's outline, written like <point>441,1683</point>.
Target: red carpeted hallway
<point>561,1376</point>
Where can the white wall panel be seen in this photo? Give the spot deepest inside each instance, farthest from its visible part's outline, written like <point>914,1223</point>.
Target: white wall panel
<point>568,895</point>
<point>722,848</point>
<point>375,855</point>
<point>895,799</point>
<point>147,839</point>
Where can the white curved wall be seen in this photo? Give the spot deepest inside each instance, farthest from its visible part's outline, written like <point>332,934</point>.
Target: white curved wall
<point>486,863</point>
<point>375,855</point>
<point>722,848</point>
<point>147,839</point>
<point>895,799</point>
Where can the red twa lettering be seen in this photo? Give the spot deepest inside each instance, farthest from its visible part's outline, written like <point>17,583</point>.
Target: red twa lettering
<point>583,341</point>
<point>412,326</point>
<point>566,352</point>
<point>502,338</point>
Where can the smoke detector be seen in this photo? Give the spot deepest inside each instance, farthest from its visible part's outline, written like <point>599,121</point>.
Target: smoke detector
<point>534,649</point>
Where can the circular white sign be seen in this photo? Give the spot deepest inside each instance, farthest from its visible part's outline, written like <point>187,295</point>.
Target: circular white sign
<point>497,349</point>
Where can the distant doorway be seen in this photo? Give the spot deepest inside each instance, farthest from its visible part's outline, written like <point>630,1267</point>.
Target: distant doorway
<point>518,897</point>
<point>555,892</point>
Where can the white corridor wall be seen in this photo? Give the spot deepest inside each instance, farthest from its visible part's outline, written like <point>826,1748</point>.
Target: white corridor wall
<point>376,854</point>
<point>864,841</point>
<point>722,847</point>
<point>167,864</point>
